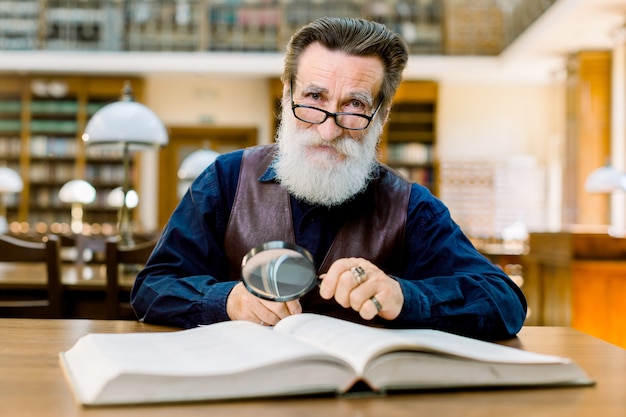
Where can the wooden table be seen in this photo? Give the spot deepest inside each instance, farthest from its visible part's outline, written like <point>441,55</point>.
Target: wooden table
<point>83,285</point>
<point>73,276</point>
<point>32,383</point>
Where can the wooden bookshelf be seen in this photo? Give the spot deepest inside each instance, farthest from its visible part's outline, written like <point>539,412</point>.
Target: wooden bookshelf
<point>43,118</point>
<point>410,136</point>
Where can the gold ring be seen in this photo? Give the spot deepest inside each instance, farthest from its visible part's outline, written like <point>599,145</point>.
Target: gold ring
<point>359,274</point>
<point>376,303</point>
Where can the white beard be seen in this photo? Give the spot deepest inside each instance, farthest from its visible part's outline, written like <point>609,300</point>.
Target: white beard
<point>318,179</point>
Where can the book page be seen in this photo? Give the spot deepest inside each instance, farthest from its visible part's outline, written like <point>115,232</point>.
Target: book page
<point>358,344</point>
<point>225,360</point>
<point>352,342</point>
<point>465,347</point>
<point>222,348</point>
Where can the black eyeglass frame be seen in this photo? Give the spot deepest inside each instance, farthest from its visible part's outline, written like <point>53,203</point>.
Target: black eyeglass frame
<point>328,114</point>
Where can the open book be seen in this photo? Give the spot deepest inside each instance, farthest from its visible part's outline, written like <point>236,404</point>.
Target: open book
<point>302,354</point>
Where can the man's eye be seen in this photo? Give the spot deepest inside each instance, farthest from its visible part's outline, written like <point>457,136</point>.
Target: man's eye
<point>356,105</point>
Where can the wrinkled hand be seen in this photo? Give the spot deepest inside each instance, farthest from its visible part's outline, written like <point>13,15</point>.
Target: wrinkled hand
<point>243,305</point>
<point>342,283</point>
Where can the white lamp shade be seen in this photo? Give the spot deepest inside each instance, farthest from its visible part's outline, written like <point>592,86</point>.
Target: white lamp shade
<point>126,122</point>
<point>115,198</point>
<point>605,179</point>
<point>195,163</point>
<point>77,191</point>
<point>10,181</point>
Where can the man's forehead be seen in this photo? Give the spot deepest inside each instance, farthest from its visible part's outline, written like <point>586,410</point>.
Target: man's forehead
<point>324,69</point>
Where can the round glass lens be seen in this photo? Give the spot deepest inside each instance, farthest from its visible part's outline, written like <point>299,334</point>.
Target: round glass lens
<point>278,271</point>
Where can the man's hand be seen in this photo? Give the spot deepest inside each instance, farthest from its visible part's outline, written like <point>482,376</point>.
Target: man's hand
<point>359,284</point>
<point>243,305</point>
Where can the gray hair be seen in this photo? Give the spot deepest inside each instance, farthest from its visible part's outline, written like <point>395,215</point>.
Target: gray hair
<point>357,37</point>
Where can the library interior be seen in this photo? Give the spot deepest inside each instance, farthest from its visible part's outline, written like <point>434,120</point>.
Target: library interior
<point>512,112</point>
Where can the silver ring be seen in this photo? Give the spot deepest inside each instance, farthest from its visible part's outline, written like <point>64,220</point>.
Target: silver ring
<point>359,274</point>
<point>376,303</point>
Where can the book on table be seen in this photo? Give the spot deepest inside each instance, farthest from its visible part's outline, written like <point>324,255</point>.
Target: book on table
<point>303,354</point>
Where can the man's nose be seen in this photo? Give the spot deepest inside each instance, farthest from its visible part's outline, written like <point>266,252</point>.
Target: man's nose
<point>329,130</point>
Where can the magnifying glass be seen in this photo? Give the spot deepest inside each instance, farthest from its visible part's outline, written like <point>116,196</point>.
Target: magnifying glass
<point>279,271</point>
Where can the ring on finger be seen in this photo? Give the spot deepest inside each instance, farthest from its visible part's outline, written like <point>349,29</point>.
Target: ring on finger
<point>359,273</point>
<point>376,303</point>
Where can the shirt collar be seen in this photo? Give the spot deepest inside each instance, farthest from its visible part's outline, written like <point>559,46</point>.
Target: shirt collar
<point>269,174</point>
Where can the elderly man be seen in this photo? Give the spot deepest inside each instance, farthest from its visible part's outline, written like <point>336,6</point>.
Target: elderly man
<point>387,251</point>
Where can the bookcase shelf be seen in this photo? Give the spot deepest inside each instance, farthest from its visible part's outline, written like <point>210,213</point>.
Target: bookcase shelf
<point>199,25</point>
<point>410,135</point>
<point>42,121</point>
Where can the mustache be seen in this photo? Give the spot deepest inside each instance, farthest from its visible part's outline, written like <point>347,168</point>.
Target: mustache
<point>344,145</point>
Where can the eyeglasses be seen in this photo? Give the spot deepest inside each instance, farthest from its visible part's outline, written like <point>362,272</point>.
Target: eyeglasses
<point>313,115</point>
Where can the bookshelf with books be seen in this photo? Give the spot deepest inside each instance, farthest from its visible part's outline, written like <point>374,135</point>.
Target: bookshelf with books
<point>200,25</point>
<point>10,133</point>
<point>41,124</point>
<point>410,135</point>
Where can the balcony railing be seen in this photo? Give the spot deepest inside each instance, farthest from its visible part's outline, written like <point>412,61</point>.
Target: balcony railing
<point>430,27</point>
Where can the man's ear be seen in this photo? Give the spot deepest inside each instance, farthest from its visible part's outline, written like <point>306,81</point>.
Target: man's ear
<point>385,114</point>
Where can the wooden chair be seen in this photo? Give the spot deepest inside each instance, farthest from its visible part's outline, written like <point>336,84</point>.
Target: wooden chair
<point>128,260</point>
<point>28,298</point>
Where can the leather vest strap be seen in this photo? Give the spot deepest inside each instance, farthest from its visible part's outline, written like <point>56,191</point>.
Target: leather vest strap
<point>261,211</point>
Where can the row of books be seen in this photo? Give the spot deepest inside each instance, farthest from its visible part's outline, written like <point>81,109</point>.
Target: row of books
<point>410,153</point>
<point>45,107</point>
<point>53,146</point>
<point>40,126</point>
<point>179,25</point>
<point>44,173</point>
<point>10,147</point>
<point>58,147</point>
<point>421,175</point>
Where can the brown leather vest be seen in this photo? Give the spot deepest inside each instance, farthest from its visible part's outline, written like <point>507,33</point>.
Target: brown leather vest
<point>262,212</point>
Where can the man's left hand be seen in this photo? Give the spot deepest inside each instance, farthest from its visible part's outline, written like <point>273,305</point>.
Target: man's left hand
<point>359,284</point>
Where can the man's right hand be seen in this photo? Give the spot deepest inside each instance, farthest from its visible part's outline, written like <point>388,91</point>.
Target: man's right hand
<point>243,305</point>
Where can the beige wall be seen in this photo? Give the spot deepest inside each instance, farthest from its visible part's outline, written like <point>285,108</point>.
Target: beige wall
<point>494,121</point>
<point>192,99</point>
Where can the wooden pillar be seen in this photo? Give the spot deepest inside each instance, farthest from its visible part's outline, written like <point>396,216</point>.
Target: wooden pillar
<point>588,136</point>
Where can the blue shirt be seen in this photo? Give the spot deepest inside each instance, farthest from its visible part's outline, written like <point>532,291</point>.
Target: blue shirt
<point>447,284</point>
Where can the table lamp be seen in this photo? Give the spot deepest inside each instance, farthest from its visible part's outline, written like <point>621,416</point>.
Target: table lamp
<point>605,179</point>
<point>116,198</point>
<point>10,182</point>
<point>77,193</point>
<point>609,180</point>
<point>192,166</point>
<point>129,125</point>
